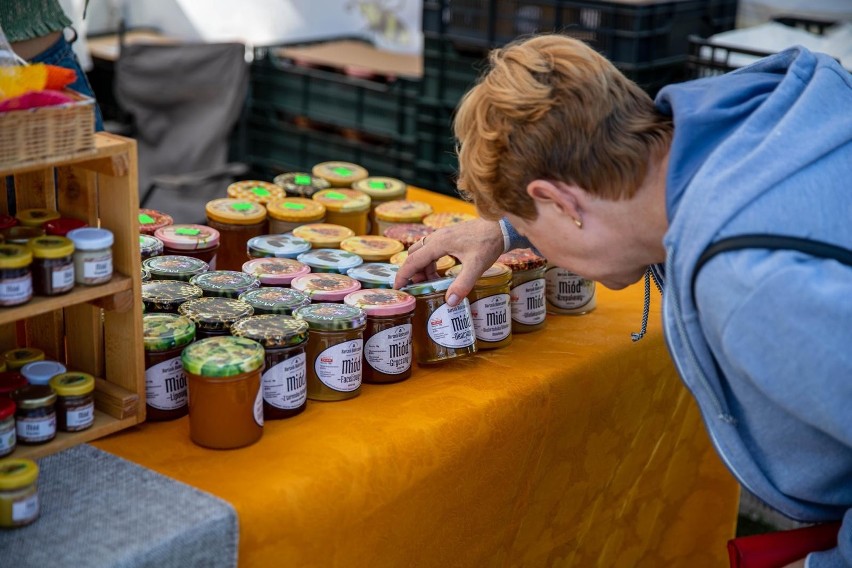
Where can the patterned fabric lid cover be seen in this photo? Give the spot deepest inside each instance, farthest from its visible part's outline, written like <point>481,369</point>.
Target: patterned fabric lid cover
<point>225,281</point>
<point>223,356</point>
<point>272,330</point>
<point>174,265</point>
<point>275,300</point>
<point>161,332</point>
<point>215,314</point>
<point>332,317</point>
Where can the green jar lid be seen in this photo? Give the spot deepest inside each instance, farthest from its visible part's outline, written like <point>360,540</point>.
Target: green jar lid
<point>428,287</point>
<point>275,300</point>
<point>225,283</point>
<point>332,317</point>
<point>374,274</point>
<point>174,267</point>
<point>223,356</point>
<point>166,295</point>
<point>272,330</point>
<point>161,332</point>
<point>215,314</point>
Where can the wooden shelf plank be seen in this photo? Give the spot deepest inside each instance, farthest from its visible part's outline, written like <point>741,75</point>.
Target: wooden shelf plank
<point>104,425</point>
<point>106,145</point>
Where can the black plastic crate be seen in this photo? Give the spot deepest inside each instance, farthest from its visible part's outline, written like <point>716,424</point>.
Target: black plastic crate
<point>448,73</point>
<point>436,178</point>
<point>435,141</point>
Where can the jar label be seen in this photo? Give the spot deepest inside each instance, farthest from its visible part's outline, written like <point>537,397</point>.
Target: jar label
<point>491,319</point>
<point>528,302</point>
<point>165,385</point>
<point>284,384</point>
<point>26,509</point>
<point>339,366</point>
<point>451,327</point>
<point>258,406</point>
<point>81,417</point>
<point>389,351</point>
<point>568,291</point>
<point>8,441</point>
<point>63,278</point>
<point>97,267</point>
<point>16,290</point>
<point>39,429</point>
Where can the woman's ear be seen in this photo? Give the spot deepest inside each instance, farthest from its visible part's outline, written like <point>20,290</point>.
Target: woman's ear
<point>558,195</point>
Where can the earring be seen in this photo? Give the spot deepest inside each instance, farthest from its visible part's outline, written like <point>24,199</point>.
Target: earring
<point>579,223</point>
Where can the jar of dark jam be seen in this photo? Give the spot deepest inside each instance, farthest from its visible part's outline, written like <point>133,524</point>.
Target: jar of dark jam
<point>214,316</point>
<point>166,296</point>
<point>35,417</point>
<point>16,280</point>
<point>10,381</point>
<point>149,246</point>
<point>53,265</point>
<point>225,283</point>
<point>19,504</point>
<point>62,226</point>
<point>237,221</point>
<point>174,267</point>
<point>8,438</point>
<point>283,381</point>
<point>164,337</point>
<point>75,401</point>
<point>275,300</point>
<point>254,190</point>
<point>292,212</point>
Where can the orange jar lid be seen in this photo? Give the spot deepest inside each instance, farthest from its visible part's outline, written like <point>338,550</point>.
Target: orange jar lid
<point>442,265</point>
<point>382,188</point>
<point>402,211</point>
<point>323,235</point>
<point>254,190</point>
<point>235,211</point>
<point>296,210</point>
<point>495,275</point>
<point>343,200</point>
<point>438,220</point>
<point>340,174</point>
<point>372,247</point>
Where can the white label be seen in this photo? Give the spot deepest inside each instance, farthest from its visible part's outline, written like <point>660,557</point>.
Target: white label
<point>26,509</point>
<point>339,366</point>
<point>284,385</point>
<point>491,319</point>
<point>528,302</point>
<point>568,291</point>
<point>63,278</point>
<point>258,407</point>
<point>99,267</point>
<point>36,429</point>
<point>451,327</point>
<point>80,418</point>
<point>165,385</point>
<point>7,441</point>
<point>389,351</point>
<point>16,290</point>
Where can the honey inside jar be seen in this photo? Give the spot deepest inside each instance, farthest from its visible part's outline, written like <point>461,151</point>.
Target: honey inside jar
<point>441,332</point>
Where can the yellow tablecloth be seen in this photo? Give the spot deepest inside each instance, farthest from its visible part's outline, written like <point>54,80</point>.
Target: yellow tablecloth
<point>571,447</point>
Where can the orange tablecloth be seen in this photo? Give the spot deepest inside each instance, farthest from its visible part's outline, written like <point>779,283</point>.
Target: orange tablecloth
<point>571,447</point>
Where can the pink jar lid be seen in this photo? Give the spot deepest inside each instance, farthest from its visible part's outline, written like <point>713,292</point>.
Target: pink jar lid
<point>325,286</point>
<point>188,237</point>
<point>272,271</point>
<point>381,302</point>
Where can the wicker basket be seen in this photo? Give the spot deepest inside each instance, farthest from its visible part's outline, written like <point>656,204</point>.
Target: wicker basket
<point>53,132</point>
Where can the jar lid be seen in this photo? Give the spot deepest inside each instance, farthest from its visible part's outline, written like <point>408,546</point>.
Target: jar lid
<point>275,271</point>
<point>146,276</point>
<point>17,358</point>
<point>7,221</point>
<point>330,260</point>
<point>150,220</point>
<point>272,330</point>
<point>519,260</point>
<point>175,266</point>
<point>339,174</point>
<point>323,235</point>
<point>496,274</point>
<point>381,302</point>
<point>428,287</point>
<point>296,210</point>
<point>51,247</point>
<point>16,473</point>
<point>7,407</point>
<point>332,317</point>
<point>325,287</point>
<point>168,293</point>
<point>372,247</point>
<point>72,384</point>
<point>275,300</point>
<point>215,314</point>
<point>235,211</point>
<point>374,274</point>
<point>254,190</point>
<point>36,217</point>
<point>34,396</point>
<point>403,211</point>
<point>281,246</point>
<point>40,372</point>
<point>20,234</point>
<point>188,236</point>
<point>90,238</point>
<point>408,233</point>
<point>225,282</point>
<point>149,245</point>
<point>300,184</point>
<point>223,356</point>
<point>438,220</point>
<point>343,200</point>
<point>161,332</point>
<point>10,381</point>
<point>60,227</point>
<point>15,256</point>
<point>381,188</point>
<point>441,265</point>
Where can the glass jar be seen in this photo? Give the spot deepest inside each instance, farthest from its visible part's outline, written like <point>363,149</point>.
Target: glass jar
<point>166,296</point>
<point>225,283</point>
<point>164,337</point>
<point>408,233</point>
<point>374,274</point>
<point>92,255</point>
<point>272,300</point>
<point>225,399</point>
<point>387,335</point>
<point>40,372</point>
<point>372,248</point>
<point>323,235</point>
<point>237,221</point>
<point>441,332</point>
<point>7,221</point>
<point>568,293</point>
<point>340,174</point>
<point>527,293</point>
<point>75,401</point>
<point>490,306</point>
<point>62,226</point>
<point>36,217</point>
<point>275,271</point>
<point>291,212</point>
<point>381,190</point>
<point>254,190</point>
<point>8,439</point>
<point>197,241</point>
<point>149,246</point>
<point>330,260</point>
<point>150,220</point>
<point>325,287</point>
<point>300,184</point>
<point>283,382</point>
<point>334,350</point>
<point>20,235</point>
<point>35,416</point>
<point>53,265</point>
<point>19,504</point>
<point>400,211</point>
<point>440,220</point>
<point>276,246</point>
<point>345,207</point>
<point>16,280</point>
<point>442,265</point>
<point>145,275</point>
<point>214,316</point>
<point>10,381</point>
<point>17,358</point>
<point>174,267</point>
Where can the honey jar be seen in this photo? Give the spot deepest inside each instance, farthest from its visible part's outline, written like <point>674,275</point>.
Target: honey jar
<point>150,220</point>
<point>380,190</point>
<point>387,335</point>
<point>323,235</point>
<point>225,283</point>
<point>528,286</point>
<point>442,265</point>
<point>398,212</point>
<point>374,274</point>
<point>214,316</point>
<point>19,504</point>
<point>440,220</point>
<point>489,306</point>
<point>340,174</point>
<point>275,300</point>
<point>408,233</point>
<point>237,221</point>
<point>35,414</point>
<point>276,246</point>
<point>300,184</point>
<point>275,271</point>
<point>345,207</point>
<point>372,248</point>
<point>53,265</point>
<point>75,401</point>
<point>330,260</point>
<point>16,279</point>
<point>325,287</point>
<point>568,293</point>
<point>166,296</point>
<point>174,267</point>
<point>253,190</point>
<point>291,212</point>
<point>197,241</point>
<point>165,336</point>
<point>8,439</point>
<point>441,332</point>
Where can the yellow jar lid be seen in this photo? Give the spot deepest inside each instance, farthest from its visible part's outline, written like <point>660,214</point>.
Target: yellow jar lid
<point>36,217</point>
<point>16,473</point>
<point>72,384</point>
<point>15,256</point>
<point>339,174</point>
<point>382,188</point>
<point>343,200</point>
<point>495,275</point>
<point>254,190</point>
<point>296,209</point>
<point>51,247</point>
<point>402,211</point>
<point>17,358</point>
<point>372,247</point>
<point>235,211</point>
<point>441,265</point>
<point>323,235</point>
<point>438,220</point>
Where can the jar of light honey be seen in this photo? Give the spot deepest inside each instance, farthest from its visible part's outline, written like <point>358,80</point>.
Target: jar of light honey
<point>400,211</point>
<point>19,503</point>
<point>372,248</point>
<point>345,207</point>
<point>380,190</point>
<point>237,221</point>
<point>441,332</point>
<point>440,220</point>
<point>568,293</point>
<point>262,192</point>
<point>291,212</point>
<point>323,235</point>
<point>340,174</point>
<point>528,286</point>
<point>489,306</point>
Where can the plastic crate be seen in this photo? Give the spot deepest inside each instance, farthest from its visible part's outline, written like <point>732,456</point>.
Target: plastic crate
<point>436,178</point>
<point>435,140</point>
<point>448,73</point>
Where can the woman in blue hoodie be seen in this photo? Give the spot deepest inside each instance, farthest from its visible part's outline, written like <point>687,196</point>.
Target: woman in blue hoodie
<point>559,150</point>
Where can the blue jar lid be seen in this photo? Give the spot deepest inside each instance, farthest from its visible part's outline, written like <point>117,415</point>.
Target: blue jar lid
<point>428,287</point>
<point>91,238</point>
<point>40,372</point>
<point>330,260</point>
<point>374,274</point>
<point>278,246</point>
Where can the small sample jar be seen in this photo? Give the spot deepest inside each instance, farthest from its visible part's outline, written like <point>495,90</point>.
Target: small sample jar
<point>323,235</point>
<point>325,287</point>
<point>197,241</point>
<point>62,226</point>
<point>300,184</point>
<point>92,255</point>
<point>330,260</point>
<point>36,217</point>
<point>528,285</point>
<point>53,265</point>
<point>225,399</point>
<point>20,235</point>
<point>291,212</point>
<point>441,332</point>
<point>19,505</point>
<point>568,293</point>
<point>40,372</point>
<point>387,335</point>
<point>273,300</point>
<point>174,267</point>
<point>166,296</point>
<point>35,416</point>
<point>225,283</point>
<point>150,220</point>
<point>374,274</point>
<point>334,350</point>
<point>276,246</point>
<point>372,248</point>
<point>490,306</point>
<point>7,221</point>
<point>284,379</point>
<point>17,358</point>
<point>16,279</point>
<point>164,337</point>
<point>440,220</point>
<point>380,190</point>
<point>408,233</point>
<point>275,271</point>
<point>149,246</point>
<point>340,174</point>
<point>254,190</point>
<point>237,221</point>
<point>10,381</point>
<point>214,316</point>
<point>345,207</point>
<point>8,438</point>
<point>75,401</point>
<point>400,211</point>
<point>442,265</point>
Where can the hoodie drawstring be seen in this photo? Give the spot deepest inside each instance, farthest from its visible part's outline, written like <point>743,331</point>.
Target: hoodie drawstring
<point>646,305</point>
